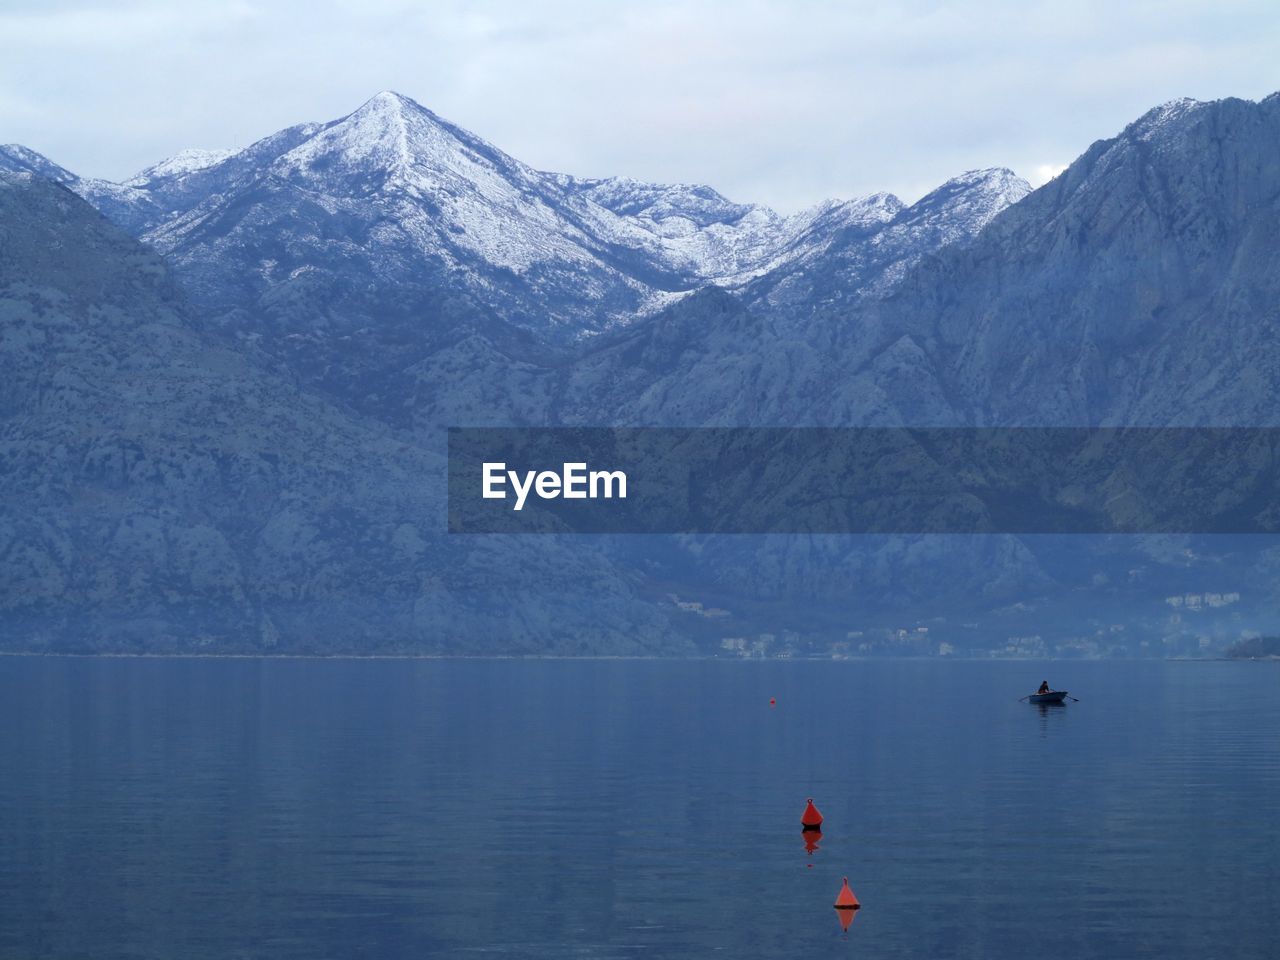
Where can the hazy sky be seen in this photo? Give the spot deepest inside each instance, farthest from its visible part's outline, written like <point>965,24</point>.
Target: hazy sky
<point>780,103</point>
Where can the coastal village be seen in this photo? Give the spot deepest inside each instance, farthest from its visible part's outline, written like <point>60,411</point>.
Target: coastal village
<point>1176,633</point>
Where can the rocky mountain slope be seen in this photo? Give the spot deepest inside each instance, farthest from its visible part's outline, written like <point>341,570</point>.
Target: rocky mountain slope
<point>380,277</point>
<point>1139,287</point>
<point>121,203</point>
<point>160,491</point>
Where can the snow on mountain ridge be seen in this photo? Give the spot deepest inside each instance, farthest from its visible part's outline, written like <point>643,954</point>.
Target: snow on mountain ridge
<point>657,202</point>
<point>809,232</point>
<point>1150,124</point>
<point>19,159</point>
<point>118,202</point>
<point>963,205</point>
<point>181,163</point>
<point>516,217</point>
<point>865,248</point>
<point>412,196</point>
<point>451,185</point>
<point>374,134</point>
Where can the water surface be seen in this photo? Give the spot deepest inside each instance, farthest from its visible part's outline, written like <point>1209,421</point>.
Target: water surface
<point>312,809</point>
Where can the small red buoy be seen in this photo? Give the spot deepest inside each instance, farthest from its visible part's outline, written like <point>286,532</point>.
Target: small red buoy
<point>811,819</point>
<point>845,900</point>
<point>773,702</point>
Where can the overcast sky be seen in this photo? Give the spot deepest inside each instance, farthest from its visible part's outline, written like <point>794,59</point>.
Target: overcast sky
<point>780,103</point>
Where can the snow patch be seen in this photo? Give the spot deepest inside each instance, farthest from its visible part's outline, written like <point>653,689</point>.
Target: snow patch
<point>179,165</point>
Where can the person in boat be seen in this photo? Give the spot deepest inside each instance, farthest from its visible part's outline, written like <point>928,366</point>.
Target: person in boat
<point>1044,688</point>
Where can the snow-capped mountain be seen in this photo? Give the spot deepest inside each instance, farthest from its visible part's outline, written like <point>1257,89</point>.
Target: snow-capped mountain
<point>396,194</point>
<point>388,271</point>
<point>355,251</point>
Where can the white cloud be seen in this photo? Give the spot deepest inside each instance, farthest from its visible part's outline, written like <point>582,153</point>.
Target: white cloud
<point>1044,172</point>
<point>786,103</point>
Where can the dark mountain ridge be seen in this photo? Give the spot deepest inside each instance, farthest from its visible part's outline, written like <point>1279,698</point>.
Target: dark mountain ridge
<point>159,491</point>
<point>1137,287</point>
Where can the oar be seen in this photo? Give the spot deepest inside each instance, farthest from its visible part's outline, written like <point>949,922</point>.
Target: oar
<point>1070,697</point>
<point>1020,699</point>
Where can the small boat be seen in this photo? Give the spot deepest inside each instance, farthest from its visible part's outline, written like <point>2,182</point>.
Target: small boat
<point>1053,696</point>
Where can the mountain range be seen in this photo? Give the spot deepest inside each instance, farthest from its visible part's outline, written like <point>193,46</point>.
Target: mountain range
<point>226,382</point>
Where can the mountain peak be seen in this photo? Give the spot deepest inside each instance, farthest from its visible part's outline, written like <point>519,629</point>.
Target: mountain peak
<point>985,175</point>
<point>388,134</point>
<point>387,105</point>
<point>390,99</point>
<point>881,207</point>
<point>394,110</point>
<point>19,159</point>
<point>976,195</point>
<point>1159,119</point>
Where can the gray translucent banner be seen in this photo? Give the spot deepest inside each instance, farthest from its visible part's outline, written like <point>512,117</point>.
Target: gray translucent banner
<point>891,480</point>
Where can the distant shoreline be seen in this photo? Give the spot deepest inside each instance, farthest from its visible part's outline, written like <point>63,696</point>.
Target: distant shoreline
<point>535,657</point>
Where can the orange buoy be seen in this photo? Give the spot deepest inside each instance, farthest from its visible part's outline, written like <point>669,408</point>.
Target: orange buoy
<point>845,900</point>
<point>811,819</point>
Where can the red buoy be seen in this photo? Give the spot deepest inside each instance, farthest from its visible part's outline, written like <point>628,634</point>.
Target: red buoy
<point>811,819</point>
<point>845,900</point>
<point>773,702</point>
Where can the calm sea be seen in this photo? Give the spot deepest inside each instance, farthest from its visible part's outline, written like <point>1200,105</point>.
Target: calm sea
<point>556,809</point>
